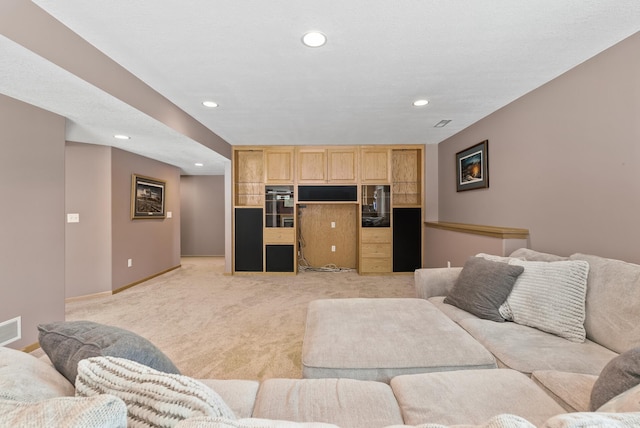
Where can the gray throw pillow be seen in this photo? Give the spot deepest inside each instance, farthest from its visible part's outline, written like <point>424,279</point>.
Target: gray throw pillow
<point>67,343</point>
<point>620,374</point>
<point>483,286</point>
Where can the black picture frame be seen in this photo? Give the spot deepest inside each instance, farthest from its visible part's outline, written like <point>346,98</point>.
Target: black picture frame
<point>147,197</point>
<point>472,167</point>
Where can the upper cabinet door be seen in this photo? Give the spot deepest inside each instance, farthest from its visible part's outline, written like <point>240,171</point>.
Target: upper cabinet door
<point>374,165</point>
<point>279,165</point>
<point>342,165</point>
<point>312,165</point>
<point>407,177</point>
<point>248,177</point>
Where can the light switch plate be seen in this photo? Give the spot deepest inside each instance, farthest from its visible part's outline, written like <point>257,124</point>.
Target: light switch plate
<point>73,218</point>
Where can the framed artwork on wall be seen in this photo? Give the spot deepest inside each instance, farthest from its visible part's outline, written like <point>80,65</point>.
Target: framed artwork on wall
<point>147,197</point>
<point>472,167</point>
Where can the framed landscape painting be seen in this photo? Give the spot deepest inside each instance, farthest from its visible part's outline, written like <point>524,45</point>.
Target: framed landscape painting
<point>147,197</point>
<point>472,167</point>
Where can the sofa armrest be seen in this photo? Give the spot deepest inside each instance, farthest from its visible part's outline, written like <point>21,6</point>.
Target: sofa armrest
<point>431,282</point>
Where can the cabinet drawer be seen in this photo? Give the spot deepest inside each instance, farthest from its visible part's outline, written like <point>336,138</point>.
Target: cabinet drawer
<point>279,235</point>
<point>376,250</point>
<point>376,235</point>
<point>376,265</point>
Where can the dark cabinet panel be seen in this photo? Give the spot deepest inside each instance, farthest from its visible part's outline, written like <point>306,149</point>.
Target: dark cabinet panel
<point>279,258</point>
<point>248,240</point>
<point>407,239</point>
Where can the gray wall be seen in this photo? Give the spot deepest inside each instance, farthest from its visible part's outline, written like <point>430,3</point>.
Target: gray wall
<point>202,225</point>
<point>154,245</point>
<point>97,248</point>
<point>88,243</point>
<point>32,222</point>
<point>563,161</point>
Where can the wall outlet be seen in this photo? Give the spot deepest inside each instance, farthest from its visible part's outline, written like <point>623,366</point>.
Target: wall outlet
<point>73,218</point>
<point>129,262</point>
<point>333,248</point>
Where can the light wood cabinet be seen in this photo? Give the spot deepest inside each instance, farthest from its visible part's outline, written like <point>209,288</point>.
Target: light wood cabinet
<point>380,231</point>
<point>248,178</point>
<point>376,250</point>
<point>318,165</point>
<point>406,181</point>
<point>278,164</point>
<point>342,165</point>
<point>311,165</point>
<point>374,165</point>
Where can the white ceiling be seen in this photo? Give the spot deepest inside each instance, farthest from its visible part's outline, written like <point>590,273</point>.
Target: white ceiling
<point>468,58</point>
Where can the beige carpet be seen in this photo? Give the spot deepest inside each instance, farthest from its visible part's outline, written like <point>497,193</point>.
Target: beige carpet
<point>213,325</point>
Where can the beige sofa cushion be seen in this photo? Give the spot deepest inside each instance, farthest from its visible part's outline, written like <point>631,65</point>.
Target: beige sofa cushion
<point>613,302</point>
<point>471,397</point>
<point>527,349</point>
<point>528,254</point>
<point>594,420</point>
<point>343,402</point>
<point>571,390</point>
<point>211,422</point>
<point>240,395</point>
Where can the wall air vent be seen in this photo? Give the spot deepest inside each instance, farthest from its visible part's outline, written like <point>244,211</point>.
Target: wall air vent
<point>10,331</point>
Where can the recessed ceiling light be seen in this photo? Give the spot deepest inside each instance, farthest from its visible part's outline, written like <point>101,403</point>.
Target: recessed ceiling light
<point>121,137</point>
<point>420,103</point>
<point>198,164</point>
<point>314,39</point>
<point>210,104</point>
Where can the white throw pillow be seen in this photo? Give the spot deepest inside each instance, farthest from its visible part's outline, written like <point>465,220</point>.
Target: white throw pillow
<point>24,377</point>
<point>550,296</point>
<point>102,411</point>
<point>153,398</point>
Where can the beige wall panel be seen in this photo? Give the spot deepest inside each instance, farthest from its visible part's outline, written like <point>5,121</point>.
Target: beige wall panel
<point>315,225</point>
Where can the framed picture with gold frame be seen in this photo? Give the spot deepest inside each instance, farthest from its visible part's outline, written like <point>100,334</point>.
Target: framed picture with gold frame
<point>472,167</point>
<point>147,197</point>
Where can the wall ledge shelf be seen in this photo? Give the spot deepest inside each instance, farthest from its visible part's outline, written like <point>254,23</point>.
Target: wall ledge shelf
<point>475,229</point>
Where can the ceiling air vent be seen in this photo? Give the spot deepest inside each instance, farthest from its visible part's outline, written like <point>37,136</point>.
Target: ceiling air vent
<point>10,331</point>
<point>442,123</point>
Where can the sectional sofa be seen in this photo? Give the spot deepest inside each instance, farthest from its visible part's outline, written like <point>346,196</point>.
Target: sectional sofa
<point>501,374</point>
